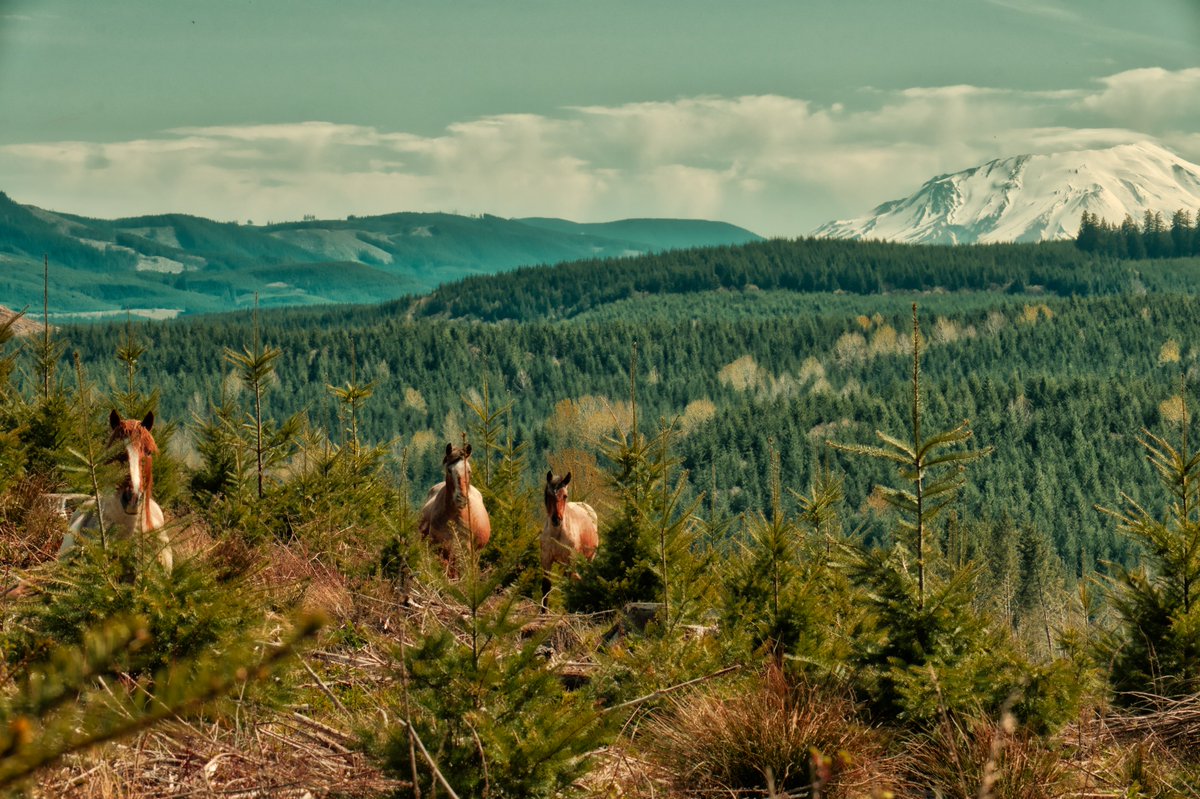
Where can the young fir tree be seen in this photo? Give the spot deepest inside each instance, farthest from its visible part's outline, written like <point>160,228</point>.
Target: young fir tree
<point>931,464</point>
<point>270,443</point>
<point>923,650</point>
<point>500,478</point>
<point>628,564</point>
<point>76,698</point>
<point>13,409</point>
<point>776,589</point>
<point>1157,646</point>
<point>485,709</point>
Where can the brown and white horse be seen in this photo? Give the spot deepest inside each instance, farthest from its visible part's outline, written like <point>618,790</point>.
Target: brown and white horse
<point>455,505</point>
<point>571,528</point>
<point>129,509</point>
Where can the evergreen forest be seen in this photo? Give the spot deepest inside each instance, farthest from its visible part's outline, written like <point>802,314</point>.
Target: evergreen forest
<point>874,520</point>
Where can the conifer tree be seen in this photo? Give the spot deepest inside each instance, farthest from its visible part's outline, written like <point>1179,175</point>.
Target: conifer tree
<point>929,463</point>
<point>62,705</point>
<point>1158,643</point>
<point>271,443</point>
<point>923,650</point>
<point>628,564</point>
<point>487,711</point>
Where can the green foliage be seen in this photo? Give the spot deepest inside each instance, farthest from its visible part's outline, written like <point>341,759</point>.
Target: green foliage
<point>254,367</point>
<point>500,476</point>
<point>49,432</point>
<point>1155,239</point>
<point>915,663</point>
<point>924,649</point>
<point>926,462</point>
<point>486,705</point>
<point>185,612</point>
<point>627,567</point>
<point>331,491</point>
<point>781,591</point>
<point>1157,647</point>
<point>62,705</point>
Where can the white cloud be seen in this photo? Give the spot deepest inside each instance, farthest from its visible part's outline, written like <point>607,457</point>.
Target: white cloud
<point>1152,95</point>
<point>778,165</point>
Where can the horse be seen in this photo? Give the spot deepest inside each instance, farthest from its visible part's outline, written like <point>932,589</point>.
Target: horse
<point>129,509</point>
<point>571,528</point>
<point>455,504</point>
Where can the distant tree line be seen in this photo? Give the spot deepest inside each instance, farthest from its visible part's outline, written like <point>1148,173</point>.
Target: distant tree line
<point>803,265</point>
<point>1153,238</point>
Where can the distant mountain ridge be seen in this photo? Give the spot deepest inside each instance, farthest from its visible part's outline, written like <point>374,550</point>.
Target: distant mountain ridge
<point>1032,197</point>
<point>177,263</point>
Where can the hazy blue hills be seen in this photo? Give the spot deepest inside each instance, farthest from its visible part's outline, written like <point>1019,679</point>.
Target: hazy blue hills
<point>178,263</point>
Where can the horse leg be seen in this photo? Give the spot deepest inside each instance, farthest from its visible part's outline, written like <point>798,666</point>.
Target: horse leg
<point>166,558</point>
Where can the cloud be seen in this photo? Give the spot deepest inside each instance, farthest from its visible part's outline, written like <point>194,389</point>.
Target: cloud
<point>1153,95</point>
<point>778,165</point>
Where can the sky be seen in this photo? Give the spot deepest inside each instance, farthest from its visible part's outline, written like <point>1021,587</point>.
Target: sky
<point>777,115</point>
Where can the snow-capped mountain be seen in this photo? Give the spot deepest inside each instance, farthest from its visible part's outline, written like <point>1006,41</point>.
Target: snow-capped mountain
<point>1032,197</point>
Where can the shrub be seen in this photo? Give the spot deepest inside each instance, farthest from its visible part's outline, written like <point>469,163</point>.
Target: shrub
<point>187,612</point>
<point>985,758</point>
<point>769,735</point>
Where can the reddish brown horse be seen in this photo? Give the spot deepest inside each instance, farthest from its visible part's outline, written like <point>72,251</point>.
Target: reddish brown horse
<point>455,505</point>
<point>571,528</point>
<point>129,509</point>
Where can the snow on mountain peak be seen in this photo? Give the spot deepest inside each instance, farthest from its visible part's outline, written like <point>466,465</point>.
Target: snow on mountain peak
<point>1032,197</point>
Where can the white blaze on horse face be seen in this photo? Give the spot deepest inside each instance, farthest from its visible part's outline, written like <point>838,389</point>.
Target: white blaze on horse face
<point>135,470</point>
<point>460,476</point>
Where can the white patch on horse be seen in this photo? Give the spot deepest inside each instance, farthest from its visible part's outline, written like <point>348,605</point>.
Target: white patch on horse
<point>135,469</point>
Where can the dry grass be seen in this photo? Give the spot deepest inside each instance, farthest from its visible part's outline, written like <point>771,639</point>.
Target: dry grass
<point>31,526</point>
<point>1151,751</point>
<point>1174,722</point>
<point>987,759</point>
<point>768,735</point>
<point>285,755</point>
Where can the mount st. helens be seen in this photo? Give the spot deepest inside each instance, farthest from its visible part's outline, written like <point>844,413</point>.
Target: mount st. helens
<point>1032,197</point>
<point>173,263</point>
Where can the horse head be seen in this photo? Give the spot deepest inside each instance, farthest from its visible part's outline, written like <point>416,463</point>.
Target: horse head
<point>138,458</point>
<point>556,496</point>
<point>458,473</point>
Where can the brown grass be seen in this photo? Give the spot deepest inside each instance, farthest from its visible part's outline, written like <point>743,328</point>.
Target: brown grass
<point>31,527</point>
<point>768,734</point>
<point>285,755</point>
<point>986,759</point>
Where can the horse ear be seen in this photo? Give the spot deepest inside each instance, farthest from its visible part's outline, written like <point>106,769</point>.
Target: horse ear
<point>114,419</point>
<point>148,422</point>
<point>467,451</point>
<point>566,479</point>
<point>449,449</point>
<point>550,476</point>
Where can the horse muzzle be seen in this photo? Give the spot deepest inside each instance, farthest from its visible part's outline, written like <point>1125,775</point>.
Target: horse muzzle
<point>556,520</point>
<point>130,502</point>
<point>460,501</point>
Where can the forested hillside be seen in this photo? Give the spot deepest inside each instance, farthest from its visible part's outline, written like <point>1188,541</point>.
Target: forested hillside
<point>926,527</point>
<point>1058,358</point>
